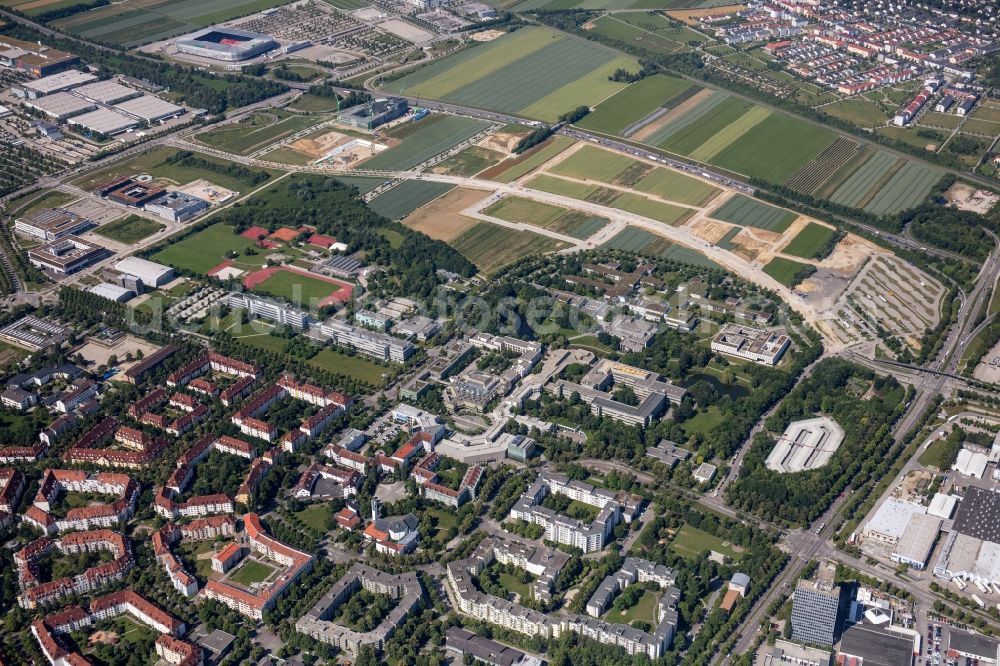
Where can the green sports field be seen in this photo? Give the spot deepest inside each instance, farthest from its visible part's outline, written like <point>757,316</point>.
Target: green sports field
<point>296,287</point>
<point>406,197</point>
<point>632,104</point>
<point>810,241</point>
<point>535,72</point>
<point>204,250</point>
<point>749,212</point>
<point>134,22</point>
<point>429,137</point>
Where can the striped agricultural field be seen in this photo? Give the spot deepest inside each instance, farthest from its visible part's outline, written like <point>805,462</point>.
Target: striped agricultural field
<point>906,189</point>
<point>861,181</point>
<point>722,140</point>
<point>706,127</point>
<point>449,74</point>
<point>634,103</point>
<point>664,133</point>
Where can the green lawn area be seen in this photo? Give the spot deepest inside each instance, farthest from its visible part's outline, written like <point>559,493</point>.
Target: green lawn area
<point>257,131</point>
<point>129,630</point>
<point>644,610</point>
<point>809,242</point>
<point>785,271</point>
<point>191,551</point>
<point>252,571</point>
<point>357,367</point>
<point>689,541</point>
<point>204,250</point>
<point>264,341</point>
<point>444,520</point>
<point>131,229</point>
<point>703,421</point>
<point>939,454</point>
<point>316,516</point>
<point>35,200</point>
<point>313,104</point>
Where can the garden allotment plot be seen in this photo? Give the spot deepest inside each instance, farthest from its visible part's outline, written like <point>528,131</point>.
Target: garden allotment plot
<point>534,72</point>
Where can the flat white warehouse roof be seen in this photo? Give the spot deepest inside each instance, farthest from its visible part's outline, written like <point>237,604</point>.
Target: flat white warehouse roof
<point>918,539</point>
<point>149,108</point>
<point>61,105</point>
<point>106,92</point>
<point>60,81</point>
<point>892,517</point>
<point>805,444</point>
<point>147,271</point>
<point>105,121</point>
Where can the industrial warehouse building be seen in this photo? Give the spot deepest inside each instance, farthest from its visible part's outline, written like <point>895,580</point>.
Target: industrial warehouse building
<point>151,273</point>
<point>149,109</point>
<point>48,85</point>
<point>61,105</point>
<point>228,44</point>
<point>34,58</point>
<point>107,92</point>
<point>104,121</point>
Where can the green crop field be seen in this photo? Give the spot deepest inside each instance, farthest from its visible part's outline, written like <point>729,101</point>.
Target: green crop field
<point>134,22</point>
<point>749,212</point>
<point>729,134</point>
<point>432,136</point>
<point>204,250</point>
<point>252,571</point>
<point>469,162</point>
<point>547,216</point>
<point>491,247</point>
<point>858,184</point>
<point>784,270</point>
<point>364,184</point>
<point>615,28</point>
<point>634,103</point>
<point>533,71</point>
<point>594,164</point>
<point>517,209</point>
<point>566,188</point>
<point>678,124</point>
<point>726,242</point>
<point>775,148</point>
<point>810,241</point>
<point>130,229</point>
<point>699,130</point>
<point>676,187</point>
<point>656,210</point>
<point>406,197</point>
<point>634,239</point>
<point>531,160</point>
<point>906,189</point>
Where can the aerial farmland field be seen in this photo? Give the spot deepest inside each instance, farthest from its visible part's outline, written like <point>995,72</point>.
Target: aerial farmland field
<point>591,163</point>
<point>491,247</point>
<point>134,22</point>
<point>566,188</point>
<point>555,218</point>
<point>440,133</point>
<point>618,113</point>
<point>854,189</point>
<point>650,208</point>
<point>535,72</point>
<point>786,271</point>
<point>639,240</point>
<point>749,212</point>
<point>904,190</point>
<point>406,197</point>
<point>512,169</point>
<point>775,148</point>
<point>809,242</point>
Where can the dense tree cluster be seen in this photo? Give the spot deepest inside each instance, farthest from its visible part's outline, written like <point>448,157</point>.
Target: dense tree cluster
<point>864,405</point>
